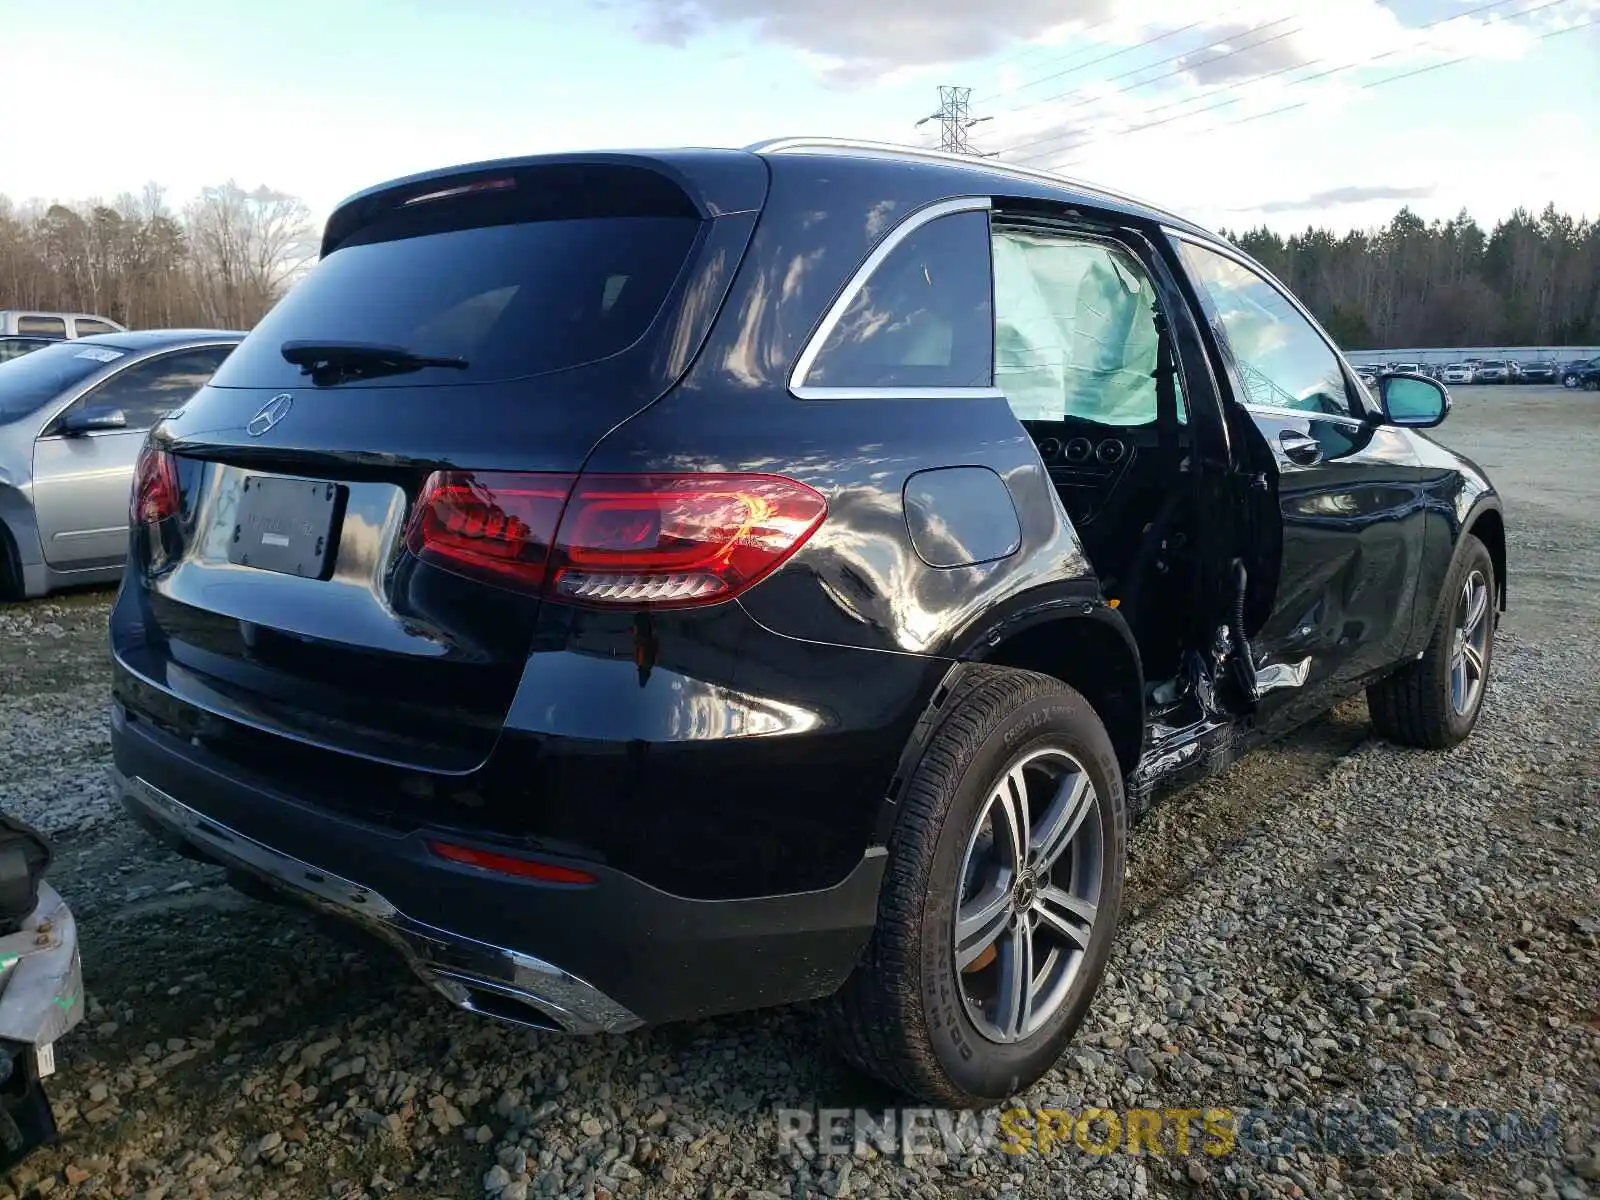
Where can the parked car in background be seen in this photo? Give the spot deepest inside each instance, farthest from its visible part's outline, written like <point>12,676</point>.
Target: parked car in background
<point>1585,373</point>
<point>73,415</point>
<point>1540,370</point>
<point>16,345</point>
<point>1459,373</point>
<point>1406,369</point>
<point>1493,370</point>
<point>1014,507</point>
<point>56,324</point>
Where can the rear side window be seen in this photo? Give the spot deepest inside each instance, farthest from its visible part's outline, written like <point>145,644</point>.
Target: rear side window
<point>922,320</point>
<point>48,326</point>
<point>512,300</point>
<point>31,381</point>
<point>87,328</point>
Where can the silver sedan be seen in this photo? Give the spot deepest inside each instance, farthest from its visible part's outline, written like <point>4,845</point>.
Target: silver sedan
<point>73,416</point>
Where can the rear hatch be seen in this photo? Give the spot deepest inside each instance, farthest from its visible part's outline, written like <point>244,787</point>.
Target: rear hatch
<point>498,318</point>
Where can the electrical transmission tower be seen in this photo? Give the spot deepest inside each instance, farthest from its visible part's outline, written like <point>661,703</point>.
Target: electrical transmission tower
<point>955,118</point>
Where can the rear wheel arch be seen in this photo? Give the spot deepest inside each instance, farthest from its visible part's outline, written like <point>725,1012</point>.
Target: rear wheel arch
<point>1095,655</point>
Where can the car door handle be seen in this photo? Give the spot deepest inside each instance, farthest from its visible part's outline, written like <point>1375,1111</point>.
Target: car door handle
<point>1299,448</point>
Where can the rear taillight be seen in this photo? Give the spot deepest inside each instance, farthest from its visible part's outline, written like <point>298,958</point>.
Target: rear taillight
<point>154,496</point>
<point>626,541</point>
<point>497,527</point>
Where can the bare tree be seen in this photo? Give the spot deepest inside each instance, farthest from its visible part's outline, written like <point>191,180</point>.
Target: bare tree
<point>225,262</point>
<point>245,248</point>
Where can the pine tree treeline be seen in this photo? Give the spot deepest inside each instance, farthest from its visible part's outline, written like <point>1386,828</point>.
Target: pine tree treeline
<point>1530,281</point>
<point>219,264</point>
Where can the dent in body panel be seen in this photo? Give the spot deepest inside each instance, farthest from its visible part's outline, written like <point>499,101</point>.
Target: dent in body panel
<point>1455,491</point>
<point>1353,529</point>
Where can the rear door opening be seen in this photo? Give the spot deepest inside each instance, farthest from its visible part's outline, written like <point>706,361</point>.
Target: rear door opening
<point>494,320</point>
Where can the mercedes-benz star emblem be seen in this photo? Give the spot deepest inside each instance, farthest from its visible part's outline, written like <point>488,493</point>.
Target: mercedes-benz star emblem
<point>270,414</point>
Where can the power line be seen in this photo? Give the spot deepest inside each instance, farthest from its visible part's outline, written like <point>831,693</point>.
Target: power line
<point>1217,128</point>
<point>1033,48</point>
<point>1236,51</point>
<point>1094,62</point>
<point>1119,53</point>
<point>955,118</point>
<point>1237,94</point>
<point>1543,37</point>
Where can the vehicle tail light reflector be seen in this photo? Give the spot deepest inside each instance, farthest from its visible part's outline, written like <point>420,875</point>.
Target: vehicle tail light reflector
<point>632,541</point>
<point>155,495</point>
<point>495,527</point>
<point>510,864</point>
<point>665,540</point>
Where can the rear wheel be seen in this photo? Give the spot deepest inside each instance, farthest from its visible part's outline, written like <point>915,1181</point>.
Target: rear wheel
<point>1000,900</point>
<point>1434,702</point>
<point>1571,381</point>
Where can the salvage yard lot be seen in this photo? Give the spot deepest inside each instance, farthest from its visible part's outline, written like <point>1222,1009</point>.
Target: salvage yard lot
<point>1335,921</point>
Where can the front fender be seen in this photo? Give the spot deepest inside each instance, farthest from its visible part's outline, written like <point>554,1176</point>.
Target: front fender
<point>19,534</point>
<point>1484,515</point>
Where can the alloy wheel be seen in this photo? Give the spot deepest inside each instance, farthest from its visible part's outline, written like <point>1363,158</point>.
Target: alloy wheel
<point>1030,891</point>
<point>1469,647</point>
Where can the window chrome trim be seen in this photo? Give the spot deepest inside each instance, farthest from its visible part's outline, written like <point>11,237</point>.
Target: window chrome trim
<point>1304,414</point>
<point>830,320</point>
<point>897,393</point>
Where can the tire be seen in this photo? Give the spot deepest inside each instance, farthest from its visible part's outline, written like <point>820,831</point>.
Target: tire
<point>10,568</point>
<point>1420,704</point>
<point>1571,381</point>
<point>905,1016</point>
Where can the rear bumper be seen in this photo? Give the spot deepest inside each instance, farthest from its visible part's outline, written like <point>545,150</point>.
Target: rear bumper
<point>461,967</point>
<point>603,957</point>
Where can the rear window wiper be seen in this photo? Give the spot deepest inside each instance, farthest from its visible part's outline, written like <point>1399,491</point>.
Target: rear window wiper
<point>333,362</point>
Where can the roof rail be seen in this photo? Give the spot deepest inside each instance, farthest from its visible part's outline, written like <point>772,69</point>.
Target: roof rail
<point>804,145</point>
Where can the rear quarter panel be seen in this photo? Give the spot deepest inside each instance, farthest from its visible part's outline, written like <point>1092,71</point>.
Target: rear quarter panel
<point>859,581</point>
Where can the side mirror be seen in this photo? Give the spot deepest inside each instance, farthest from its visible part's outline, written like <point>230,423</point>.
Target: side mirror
<point>1413,400</point>
<point>92,420</point>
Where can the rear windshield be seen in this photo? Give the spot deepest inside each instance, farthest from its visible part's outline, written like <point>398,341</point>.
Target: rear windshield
<point>511,300</point>
<point>31,381</point>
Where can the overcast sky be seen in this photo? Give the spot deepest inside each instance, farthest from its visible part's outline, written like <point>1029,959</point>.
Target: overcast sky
<point>1173,100</point>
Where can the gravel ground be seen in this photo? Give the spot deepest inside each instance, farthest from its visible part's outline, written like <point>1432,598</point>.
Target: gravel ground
<point>1337,927</point>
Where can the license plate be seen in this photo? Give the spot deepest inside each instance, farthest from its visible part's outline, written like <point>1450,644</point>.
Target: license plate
<point>285,525</point>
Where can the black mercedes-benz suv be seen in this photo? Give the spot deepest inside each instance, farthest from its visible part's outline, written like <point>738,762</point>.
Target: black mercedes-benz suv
<point>645,586</point>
